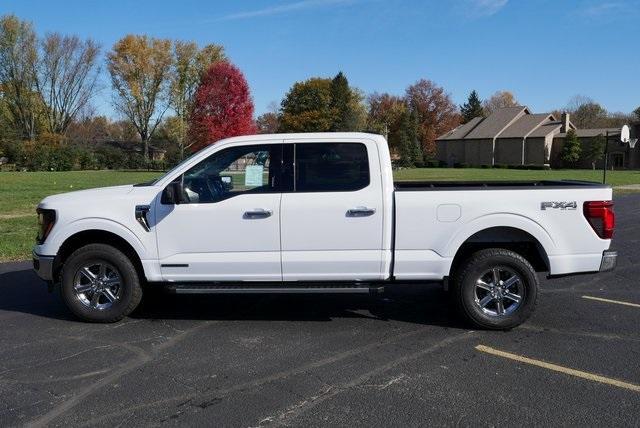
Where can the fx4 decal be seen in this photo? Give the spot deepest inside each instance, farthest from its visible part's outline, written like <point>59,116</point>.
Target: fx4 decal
<point>558,205</point>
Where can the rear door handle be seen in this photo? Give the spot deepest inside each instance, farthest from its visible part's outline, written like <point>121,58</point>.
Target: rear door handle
<point>361,212</point>
<point>257,213</point>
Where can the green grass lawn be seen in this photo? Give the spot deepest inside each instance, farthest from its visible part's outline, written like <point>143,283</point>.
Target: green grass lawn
<point>615,178</point>
<point>20,192</point>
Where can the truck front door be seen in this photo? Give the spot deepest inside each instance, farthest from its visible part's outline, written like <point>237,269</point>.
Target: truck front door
<point>228,228</point>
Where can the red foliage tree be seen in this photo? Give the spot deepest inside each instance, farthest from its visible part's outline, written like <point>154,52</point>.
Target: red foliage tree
<point>222,106</point>
<point>435,111</point>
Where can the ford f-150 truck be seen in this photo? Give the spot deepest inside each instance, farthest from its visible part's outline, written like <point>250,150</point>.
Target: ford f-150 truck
<point>318,213</point>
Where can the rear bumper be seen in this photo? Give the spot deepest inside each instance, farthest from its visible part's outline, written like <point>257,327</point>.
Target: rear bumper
<point>43,265</point>
<point>609,260</point>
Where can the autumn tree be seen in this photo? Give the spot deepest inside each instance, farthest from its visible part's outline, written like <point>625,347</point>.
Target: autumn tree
<point>586,113</point>
<point>320,104</point>
<point>307,107</point>
<point>18,60</point>
<point>269,122</point>
<point>140,67</point>
<point>500,99</point>
<point>385,114</point>
<point>571,150</point>
<point>472,108</point>
<point>66,78</point>
<point>435,112</point>
<point>222,106</point>
<point>189,65</point>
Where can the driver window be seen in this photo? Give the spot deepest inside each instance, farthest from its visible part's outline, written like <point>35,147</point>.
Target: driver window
<point>233,171</point>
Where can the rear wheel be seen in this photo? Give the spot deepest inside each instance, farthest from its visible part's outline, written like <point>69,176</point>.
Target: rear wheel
<point>100,284</point>
<point>495,289</point>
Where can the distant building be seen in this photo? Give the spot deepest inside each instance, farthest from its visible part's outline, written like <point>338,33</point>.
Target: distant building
<point>515,136</point>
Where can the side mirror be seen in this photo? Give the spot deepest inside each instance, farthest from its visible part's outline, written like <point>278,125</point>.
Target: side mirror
<point>172,194</point>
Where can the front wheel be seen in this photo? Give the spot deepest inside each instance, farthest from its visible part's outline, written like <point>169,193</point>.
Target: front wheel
<point>495,289</point>
<point>100,284</point>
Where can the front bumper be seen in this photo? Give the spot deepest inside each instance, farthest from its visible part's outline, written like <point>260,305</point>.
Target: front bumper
<point>43,265</point>
<point>609,260</point>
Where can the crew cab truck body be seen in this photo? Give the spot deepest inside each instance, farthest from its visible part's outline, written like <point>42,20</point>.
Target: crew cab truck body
<point>318,213</point>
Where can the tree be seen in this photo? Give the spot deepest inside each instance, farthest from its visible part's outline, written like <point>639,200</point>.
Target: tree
<point>18,60</point>
<point>595,150</point>
<point>307,107</point>
<point>636,112</point>
<point>571,149</point>
<point>405,139</point>
<point>269,122</point>
<point>66,78</point>
<point>472,108</point>
<point>139,67</point>
<point>434,110</point>
<point>499,99</point>
<point>341,103</point>
<point>385,114</point>
<point>222,106</point>
<point>586,113</point>
<point>320,104</point>
<point>189,65</point>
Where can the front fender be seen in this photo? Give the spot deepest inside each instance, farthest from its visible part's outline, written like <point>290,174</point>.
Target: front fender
<point>58,237</point>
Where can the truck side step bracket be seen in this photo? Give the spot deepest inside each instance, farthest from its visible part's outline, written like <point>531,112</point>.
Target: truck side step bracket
<point>273,289</point>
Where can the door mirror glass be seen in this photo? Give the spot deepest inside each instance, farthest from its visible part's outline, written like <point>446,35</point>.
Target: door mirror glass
<point>172,194</point>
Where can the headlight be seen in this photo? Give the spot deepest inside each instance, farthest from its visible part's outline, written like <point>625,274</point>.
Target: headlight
<point>46,220</point>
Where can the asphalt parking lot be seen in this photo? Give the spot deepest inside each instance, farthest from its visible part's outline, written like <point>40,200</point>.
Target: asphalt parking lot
<point>401,360</point>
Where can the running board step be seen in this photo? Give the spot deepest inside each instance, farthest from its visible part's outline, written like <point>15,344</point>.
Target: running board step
<point>273,289</point>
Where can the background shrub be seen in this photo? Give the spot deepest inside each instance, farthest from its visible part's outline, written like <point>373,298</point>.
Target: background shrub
<point>110,158</point>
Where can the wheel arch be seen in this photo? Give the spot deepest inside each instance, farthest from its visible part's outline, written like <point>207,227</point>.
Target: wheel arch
<point>96,236</point>
<point>516,239</point>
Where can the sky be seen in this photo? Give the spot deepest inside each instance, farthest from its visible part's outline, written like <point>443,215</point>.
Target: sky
<point>544,51</point>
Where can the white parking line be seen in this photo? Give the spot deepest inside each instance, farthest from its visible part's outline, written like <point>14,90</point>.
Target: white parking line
<point>560,369</point>
<point>617,302</point>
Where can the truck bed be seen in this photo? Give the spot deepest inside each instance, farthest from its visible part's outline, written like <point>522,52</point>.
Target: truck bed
<point>414,186</point>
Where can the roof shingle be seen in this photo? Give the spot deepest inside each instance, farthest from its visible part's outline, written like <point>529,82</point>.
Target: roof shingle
<point>525,125</point>
<point>496,122</point>
<point>462,130</point>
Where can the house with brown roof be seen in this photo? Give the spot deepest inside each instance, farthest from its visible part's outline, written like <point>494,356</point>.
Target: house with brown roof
<point>516,136</point>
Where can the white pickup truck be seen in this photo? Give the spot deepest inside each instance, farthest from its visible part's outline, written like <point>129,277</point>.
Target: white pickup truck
<point>318,213</point>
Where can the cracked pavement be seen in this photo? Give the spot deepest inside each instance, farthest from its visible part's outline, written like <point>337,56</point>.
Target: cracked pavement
<point>397,360</point>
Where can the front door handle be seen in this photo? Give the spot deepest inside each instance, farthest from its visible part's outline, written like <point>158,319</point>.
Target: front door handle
<point>361,212</point>
<point>257,213</point>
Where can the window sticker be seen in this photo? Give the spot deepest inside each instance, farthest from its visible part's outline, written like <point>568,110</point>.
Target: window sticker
<point>253,175</point>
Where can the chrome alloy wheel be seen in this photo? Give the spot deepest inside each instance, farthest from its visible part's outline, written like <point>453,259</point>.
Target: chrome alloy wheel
<point>97,285</point>
<point>499,291</point>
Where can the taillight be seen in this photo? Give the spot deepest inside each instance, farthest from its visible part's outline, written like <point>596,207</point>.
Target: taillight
<point>46,220</point>
<point>601,217</point>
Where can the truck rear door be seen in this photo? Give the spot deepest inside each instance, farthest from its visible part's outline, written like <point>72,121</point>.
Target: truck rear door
<point>332,222</point>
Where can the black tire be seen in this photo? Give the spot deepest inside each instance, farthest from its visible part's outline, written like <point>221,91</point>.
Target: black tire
<point>129,291</point>
<point>499,313</point>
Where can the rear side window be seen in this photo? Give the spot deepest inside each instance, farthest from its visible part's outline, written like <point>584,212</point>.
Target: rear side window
<point>331,167</point>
